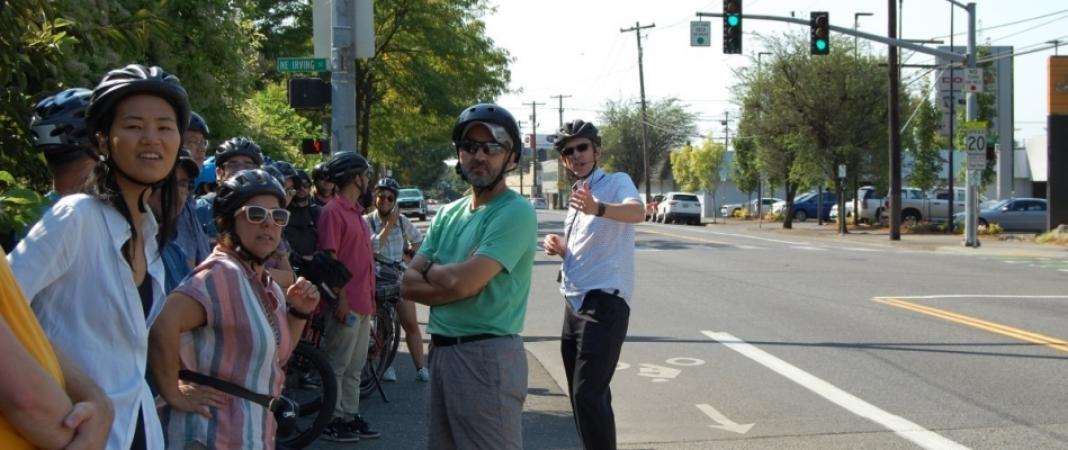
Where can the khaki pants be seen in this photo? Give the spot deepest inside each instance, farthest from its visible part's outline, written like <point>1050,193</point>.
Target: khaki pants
<point>346,348</point>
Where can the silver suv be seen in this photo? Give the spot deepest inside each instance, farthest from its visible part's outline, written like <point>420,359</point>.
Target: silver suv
<point>412,203</point>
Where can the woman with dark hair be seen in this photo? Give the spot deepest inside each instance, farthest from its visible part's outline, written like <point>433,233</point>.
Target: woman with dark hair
<point>229,326</point>
<point>92,264</point>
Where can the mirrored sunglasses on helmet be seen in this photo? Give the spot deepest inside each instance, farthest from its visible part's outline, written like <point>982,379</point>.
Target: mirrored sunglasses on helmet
<point>490,148</point>
<point>581,148</point>
<point>257,214</point>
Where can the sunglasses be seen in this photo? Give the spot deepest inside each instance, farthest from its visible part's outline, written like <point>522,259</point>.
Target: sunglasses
<point>490,148</point>
<point>257,214</point>
<point>568,151</point>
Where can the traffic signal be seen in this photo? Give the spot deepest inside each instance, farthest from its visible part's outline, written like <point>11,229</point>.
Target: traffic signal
<point>821,33</point>
<point>309,93</point>
<point>732,26</point>
<point>315,146</point>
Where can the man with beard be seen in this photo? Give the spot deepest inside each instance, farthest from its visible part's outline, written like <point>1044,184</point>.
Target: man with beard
<point>300,233</point>
<point>596,279</point>
<point>473,270</point>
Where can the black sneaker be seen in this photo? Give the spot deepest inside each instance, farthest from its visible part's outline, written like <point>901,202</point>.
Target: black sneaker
<point>363,428</point>
<point>340,431</point>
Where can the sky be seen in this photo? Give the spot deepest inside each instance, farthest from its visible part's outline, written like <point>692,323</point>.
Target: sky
<point>576,48</point>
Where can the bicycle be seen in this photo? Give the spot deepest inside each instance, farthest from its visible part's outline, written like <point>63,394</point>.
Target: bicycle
<point>385,327</point>
<point>310,384</point>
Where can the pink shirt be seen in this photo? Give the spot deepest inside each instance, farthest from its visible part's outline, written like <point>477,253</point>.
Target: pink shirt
<point>343,231</point>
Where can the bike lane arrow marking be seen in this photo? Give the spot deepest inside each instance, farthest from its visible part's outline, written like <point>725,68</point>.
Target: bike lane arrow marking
<point>722,422</point>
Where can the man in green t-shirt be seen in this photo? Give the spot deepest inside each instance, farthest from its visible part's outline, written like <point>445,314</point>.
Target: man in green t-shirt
<point>473,270</point>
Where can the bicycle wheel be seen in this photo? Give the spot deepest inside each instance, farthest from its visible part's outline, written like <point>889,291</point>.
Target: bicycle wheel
<point>382,347</point>
<point>310,383</point>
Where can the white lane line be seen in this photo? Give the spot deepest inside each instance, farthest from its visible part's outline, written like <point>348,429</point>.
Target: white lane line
<point>803,247</point>
<point>749,247</point>
<point>746,236</point>
<point>932,297</point>
<point>899,425</point>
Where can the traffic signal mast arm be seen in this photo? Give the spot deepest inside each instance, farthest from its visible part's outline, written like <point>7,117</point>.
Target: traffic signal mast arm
<point>850,32</point>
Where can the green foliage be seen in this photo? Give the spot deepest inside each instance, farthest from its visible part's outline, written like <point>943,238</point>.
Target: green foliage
<point>924,144</point>
<point>276,127</point>
<point>432,59</point>
<point>805,116</point>
<point>744,170</point>
<point>697,169</point>
<point>20,206</point>
<point>669,126</point>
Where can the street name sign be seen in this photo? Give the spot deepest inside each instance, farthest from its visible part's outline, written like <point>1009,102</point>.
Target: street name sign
<point>301,64</point>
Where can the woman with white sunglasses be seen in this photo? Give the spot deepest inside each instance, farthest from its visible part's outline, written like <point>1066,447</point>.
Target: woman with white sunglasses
<point>228,326</point>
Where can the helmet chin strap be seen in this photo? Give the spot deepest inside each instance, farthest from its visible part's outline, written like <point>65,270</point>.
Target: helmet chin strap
<point>247,255</point>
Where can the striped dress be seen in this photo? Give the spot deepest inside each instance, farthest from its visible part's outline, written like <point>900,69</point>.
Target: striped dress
<point>237,344</point>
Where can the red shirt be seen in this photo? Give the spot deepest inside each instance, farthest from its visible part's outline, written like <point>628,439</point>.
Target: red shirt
<point>343,231</point>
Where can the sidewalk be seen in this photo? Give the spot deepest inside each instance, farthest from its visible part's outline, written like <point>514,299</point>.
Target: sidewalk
<point>547,421</point>
<point>1018,245</point>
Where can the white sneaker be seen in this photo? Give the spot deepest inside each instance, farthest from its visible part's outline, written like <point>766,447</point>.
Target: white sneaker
<point>389,375</point>
<point>422,375</point>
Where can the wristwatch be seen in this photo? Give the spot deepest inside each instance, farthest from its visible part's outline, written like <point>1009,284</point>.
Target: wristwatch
<point>600,209</point>
<point>295,313</point>
<point>425,269</point>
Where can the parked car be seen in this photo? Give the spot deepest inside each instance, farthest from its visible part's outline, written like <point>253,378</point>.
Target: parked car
<point>933,206</point>
<point>412,203</point>
<point>870,203</point>
<point>1014,214</point>
<point>650,206</point>
<point>679,207</point>
<point>730,209</point>
<point>538,203</point>
<point>810,205</point>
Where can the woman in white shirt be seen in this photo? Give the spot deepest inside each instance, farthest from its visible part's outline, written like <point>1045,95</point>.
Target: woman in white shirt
<point>92,265</point>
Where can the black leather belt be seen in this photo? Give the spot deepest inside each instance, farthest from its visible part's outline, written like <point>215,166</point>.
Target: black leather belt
<point>445,341</point>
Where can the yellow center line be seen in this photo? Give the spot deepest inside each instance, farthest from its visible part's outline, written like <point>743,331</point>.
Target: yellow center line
<point>697,239</point>
<point>1004,330</point>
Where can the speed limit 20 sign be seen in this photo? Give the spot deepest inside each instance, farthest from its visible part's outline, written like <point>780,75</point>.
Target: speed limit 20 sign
<point>975,144</point>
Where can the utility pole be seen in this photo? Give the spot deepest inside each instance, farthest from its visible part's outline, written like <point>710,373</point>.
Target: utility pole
<point>952,121</point>
<point>343,78</point>
<point>972,193</point>
<point>895,126</point>
<point>560,98</point>
<point>535,189</point>
<point>637,29</point>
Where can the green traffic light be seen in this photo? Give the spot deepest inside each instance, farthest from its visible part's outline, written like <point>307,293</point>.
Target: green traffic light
<point>733,21</point>
<point>821,44</point>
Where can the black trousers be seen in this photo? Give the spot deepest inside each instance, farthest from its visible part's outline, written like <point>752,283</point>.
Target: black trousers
<point>590,344</point>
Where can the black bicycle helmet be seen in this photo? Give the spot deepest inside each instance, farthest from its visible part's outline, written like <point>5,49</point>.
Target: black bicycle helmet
<point>389,184</point>
<point>238,189</point>
<point>304,177</point>
<point>319,172</point>
<point>277,174</point>
<point>491,114</point>
<point>132,80</point>
<point>343,165</point>
<point>58,126</point>
<point>185,161</point>
<point>287,169</point>
<point>573,129</point>
<point>197,123</point>
<point>238,146</point>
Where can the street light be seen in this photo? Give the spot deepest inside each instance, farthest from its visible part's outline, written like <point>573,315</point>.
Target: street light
<point>760,175</point>
<point>856,24</point>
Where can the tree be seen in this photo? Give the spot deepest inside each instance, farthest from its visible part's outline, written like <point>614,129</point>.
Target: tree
<point>810,115</point>
<point>921,139</point>
<point>744,170</point>
<point>670,125</point>
<point>276,127</point>
<point>432,59</point>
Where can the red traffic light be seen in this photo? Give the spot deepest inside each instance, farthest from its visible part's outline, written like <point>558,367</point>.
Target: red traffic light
<point>314,146</point>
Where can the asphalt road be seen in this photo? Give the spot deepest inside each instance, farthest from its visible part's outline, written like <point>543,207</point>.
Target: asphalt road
<point>750,340</point>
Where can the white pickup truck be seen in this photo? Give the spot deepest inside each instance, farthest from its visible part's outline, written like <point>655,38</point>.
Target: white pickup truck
<point>918,206</point>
